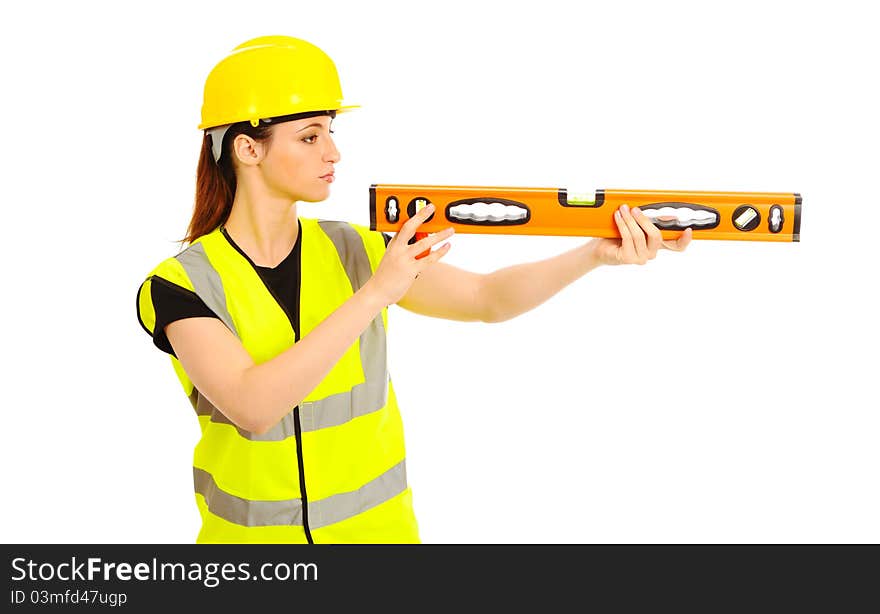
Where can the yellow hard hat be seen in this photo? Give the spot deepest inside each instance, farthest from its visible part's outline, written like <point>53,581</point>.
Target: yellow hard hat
<point>270,77</point>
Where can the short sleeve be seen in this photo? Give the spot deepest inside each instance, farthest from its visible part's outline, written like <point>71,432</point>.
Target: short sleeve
<point>172,303</point>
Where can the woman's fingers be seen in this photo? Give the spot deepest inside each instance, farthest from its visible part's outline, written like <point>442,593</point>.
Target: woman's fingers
<point>431,240</point>
<point>434,256</point>
<point>640,237</point>
<point>654,238</point>
<point>626,251</point>
<point>679,244</point>
<point>635,231</point>
<point>410,227</point>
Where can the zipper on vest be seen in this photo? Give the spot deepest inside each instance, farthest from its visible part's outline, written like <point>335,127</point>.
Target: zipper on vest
<point>297,429</point>
<point>297,426</point>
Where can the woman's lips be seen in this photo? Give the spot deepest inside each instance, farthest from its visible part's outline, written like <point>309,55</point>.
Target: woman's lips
<point>328,178</point>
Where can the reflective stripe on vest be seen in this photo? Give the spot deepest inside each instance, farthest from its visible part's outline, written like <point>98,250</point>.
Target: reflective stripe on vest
<point>289,512</point>
<point>207,263</point>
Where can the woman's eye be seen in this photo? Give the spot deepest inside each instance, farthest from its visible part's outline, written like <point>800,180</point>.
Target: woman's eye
<point>315,136</point>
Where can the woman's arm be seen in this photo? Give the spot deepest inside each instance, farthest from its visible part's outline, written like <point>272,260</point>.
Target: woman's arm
<point>256,396</point>
<point>455,294</point>
<point>509,292</point>
<point>447,292</point>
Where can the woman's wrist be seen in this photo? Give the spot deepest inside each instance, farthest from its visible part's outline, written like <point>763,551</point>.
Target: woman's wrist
<point>372,298</point>
<point>591,256</point>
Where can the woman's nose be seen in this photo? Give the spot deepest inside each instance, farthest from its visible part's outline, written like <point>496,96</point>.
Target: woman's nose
<point>332,154</point>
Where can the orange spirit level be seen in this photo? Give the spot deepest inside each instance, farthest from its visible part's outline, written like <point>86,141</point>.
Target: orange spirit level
<point>735,216</point>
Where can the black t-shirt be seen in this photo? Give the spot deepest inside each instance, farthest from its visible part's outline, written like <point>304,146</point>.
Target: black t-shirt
<point>172,302</point>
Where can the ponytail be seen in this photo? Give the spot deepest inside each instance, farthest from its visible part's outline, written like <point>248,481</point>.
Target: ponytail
<point>215,181</point>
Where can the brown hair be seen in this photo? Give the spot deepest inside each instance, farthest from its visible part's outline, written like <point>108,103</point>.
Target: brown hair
<point>215,181</point>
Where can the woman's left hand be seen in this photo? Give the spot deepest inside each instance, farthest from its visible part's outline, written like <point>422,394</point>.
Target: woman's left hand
<point>639,240</point>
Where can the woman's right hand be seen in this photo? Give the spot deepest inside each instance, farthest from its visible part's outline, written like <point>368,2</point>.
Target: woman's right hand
<point>399,266</point>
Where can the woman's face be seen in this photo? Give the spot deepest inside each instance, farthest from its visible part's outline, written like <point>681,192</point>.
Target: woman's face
<point>300,155</point>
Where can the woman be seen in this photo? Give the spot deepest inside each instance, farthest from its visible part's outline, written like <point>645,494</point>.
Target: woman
<point>276,324</point>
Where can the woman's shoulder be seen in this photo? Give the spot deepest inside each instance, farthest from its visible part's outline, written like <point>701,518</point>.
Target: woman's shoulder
<point>172,268</point>
<point>167,293</point>
<point>368,235</point>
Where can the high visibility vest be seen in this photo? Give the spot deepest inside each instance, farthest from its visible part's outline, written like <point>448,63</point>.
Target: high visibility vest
<point>333,470</point>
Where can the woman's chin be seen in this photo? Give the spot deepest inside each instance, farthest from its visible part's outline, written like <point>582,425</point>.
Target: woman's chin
<point>315,197</point>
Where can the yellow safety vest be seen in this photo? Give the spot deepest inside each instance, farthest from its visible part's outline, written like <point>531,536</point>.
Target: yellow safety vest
<point>333,470</point>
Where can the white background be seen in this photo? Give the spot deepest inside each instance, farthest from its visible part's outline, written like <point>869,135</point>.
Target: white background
<point>726,394</point>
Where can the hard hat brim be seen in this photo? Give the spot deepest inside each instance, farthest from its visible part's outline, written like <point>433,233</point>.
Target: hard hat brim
<point>343,109</point>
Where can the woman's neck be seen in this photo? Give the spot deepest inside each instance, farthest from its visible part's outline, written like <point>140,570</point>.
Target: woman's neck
<point>265,232</point>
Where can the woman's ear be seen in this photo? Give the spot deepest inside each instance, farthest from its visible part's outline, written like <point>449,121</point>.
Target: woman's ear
<point>247,151</point>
